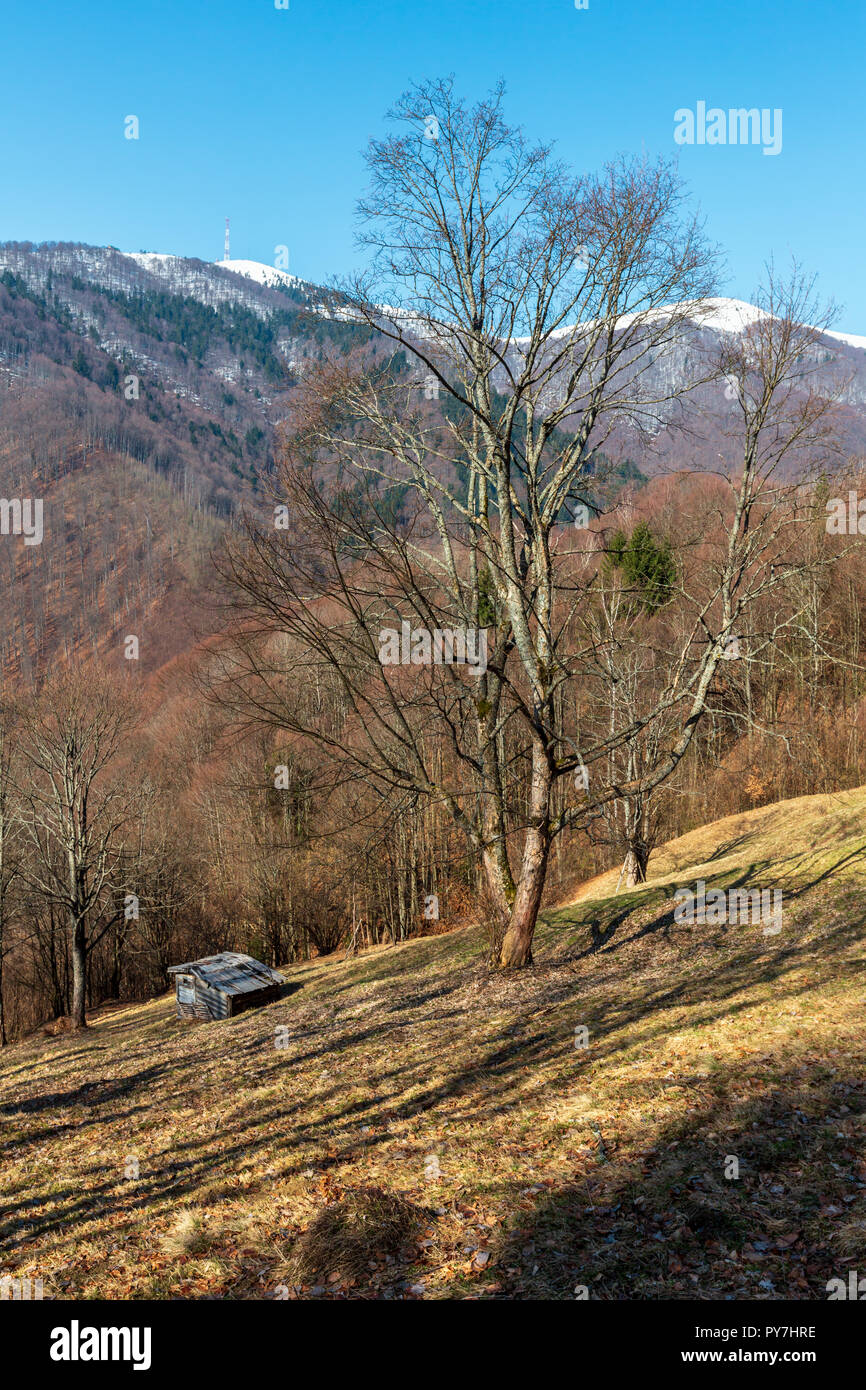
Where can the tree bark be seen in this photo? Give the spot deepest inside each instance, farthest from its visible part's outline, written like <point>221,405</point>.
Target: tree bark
<point>636,861</point>
<point>79,975</point>
<point>516,950</point>
<point>2,1010</point>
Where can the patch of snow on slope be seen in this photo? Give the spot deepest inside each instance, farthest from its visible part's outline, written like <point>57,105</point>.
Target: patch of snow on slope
<point>267,275</point>
<point>726,315</point>
<point>721,315</point>
<point>856,340</point>
<point>151,260</point>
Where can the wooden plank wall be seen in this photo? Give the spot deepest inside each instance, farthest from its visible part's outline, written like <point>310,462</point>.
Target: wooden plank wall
<point>212,1004</point>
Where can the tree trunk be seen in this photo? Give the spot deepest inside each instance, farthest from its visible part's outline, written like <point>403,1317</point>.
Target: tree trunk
<point>517,943</point>
<point>114,987</point>
<point>499,891</point>
<point>79,976</point>
<point>59,999</point>
<point>636,861</point>
<point>516,948</point>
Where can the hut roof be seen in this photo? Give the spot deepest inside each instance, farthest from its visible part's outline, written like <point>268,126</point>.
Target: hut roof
<point>230,972</point>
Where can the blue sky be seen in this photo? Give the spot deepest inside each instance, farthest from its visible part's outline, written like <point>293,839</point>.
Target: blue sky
<point>262,114</point>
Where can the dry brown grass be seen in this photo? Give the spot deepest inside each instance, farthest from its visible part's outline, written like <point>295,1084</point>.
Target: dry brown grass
<point>558,1167</point>
<point>360,1228</point>
<point>186,1236</point>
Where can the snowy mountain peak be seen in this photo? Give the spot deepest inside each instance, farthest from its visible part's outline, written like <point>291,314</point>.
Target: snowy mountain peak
<point>719,315</point>
<point>726,315</point>
<point>735,315</point>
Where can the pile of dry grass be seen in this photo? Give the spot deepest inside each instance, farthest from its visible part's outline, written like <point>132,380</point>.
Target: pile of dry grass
<point>186,1237</point>
<point>366,1223</point>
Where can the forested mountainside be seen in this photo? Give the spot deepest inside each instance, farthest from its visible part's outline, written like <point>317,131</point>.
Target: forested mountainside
<point>139,404</point>
<point>140,399</point>
<point>180,364</point>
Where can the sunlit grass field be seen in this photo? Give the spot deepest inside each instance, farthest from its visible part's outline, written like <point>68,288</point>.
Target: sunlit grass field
<point>407,1124</point>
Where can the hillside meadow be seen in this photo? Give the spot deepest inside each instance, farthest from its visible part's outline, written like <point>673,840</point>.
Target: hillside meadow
<point>407,1124</point>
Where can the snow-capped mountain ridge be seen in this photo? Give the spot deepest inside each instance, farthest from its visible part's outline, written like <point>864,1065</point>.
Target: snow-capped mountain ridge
<point>213,386</point>
<point>720,315</point>
<point>268,291</point>
<point>158,262</point>
<point>222,280</point>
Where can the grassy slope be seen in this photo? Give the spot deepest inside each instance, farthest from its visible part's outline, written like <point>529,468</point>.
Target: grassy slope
<point>559,1166</point>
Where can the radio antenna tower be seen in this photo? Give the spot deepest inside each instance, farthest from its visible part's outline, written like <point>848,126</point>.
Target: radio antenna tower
<point>227,257</point>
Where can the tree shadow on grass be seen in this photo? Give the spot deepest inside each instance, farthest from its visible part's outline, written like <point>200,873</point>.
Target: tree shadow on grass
<point>604,919</point>
<point>273,1129</point>
<point>666,1222</point>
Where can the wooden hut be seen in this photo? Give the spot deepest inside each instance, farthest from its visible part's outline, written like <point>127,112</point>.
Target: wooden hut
<point>223,985</point>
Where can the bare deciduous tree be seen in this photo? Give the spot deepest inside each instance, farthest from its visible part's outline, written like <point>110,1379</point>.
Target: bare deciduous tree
<point>77,807</point>
<point>535,307</point>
